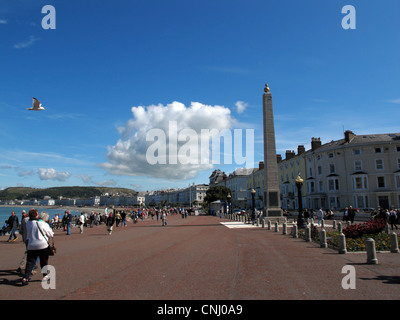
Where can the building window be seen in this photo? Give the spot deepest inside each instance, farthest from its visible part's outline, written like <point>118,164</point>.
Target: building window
<point>398,148</point>
<point>332,168</point>
<point>321,186</point>
<point>358,165</point>
<point>360,182</point>
<point>319,170</point>
<point>334,202</point>
<point>333,184</point>
<point>357,152</point>
<point>397,180</point>
<point>398,163</point>
<point>379,164</point>
<point>381,182</point>
<point>330,155</point>
<point>361,201</point>
<point>378,150</point>
<point>310,186</point>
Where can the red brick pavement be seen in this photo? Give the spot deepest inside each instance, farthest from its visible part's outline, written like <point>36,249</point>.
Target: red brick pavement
<point>195,259</point>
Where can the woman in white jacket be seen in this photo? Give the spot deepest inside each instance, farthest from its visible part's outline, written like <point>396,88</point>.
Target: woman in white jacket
<point>38,233</point>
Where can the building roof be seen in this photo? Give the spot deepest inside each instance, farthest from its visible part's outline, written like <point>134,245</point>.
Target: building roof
<point>356,140</point>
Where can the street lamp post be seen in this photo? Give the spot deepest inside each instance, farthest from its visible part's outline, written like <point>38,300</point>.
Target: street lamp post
<point>300,218</point>
<point>253,203</point>
<point>230,203</point>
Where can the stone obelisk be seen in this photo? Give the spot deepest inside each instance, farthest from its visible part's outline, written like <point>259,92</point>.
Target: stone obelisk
<point>272,201</point>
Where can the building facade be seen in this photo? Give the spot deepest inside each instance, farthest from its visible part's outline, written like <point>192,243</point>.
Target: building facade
<point>359,170</point>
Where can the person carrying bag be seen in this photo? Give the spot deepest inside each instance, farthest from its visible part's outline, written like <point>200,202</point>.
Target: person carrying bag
<point>37,234</point>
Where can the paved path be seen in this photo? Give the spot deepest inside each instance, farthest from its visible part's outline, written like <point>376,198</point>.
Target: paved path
<point>197,258</point>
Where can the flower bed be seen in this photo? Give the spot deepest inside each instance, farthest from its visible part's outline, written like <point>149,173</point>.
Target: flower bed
<point>370,229</point>
<point>382,241</point>
<point>359,229</point>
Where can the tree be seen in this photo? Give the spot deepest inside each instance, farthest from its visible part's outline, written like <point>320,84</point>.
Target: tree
<point>217,193</point>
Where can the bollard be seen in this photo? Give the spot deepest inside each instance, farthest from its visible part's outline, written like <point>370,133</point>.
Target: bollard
<point>276,226</point>
<point>322,237</point>
<point>295,232</point>
<point>322,223</point>
<point>262,223</point>
<point>334,224</point>
<point>342,243</point>
<point>340,227</point>
<point>371,251</point>
<point>284,231</point>
<point>269,224</point>
<point>308,234</point>
<point>394,244</point>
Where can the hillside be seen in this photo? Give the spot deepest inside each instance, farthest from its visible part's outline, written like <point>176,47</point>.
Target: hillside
<point>55,192</point>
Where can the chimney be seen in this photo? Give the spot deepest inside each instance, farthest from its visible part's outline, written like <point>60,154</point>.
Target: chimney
<point>315,143</point>
<point>290,154</point>
<point>300,150</point>
<point>278,158</point>
<point>261,165</point>
<point>348,136</point>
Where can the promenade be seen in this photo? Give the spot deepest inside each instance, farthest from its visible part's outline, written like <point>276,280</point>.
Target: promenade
<point>197,258</point>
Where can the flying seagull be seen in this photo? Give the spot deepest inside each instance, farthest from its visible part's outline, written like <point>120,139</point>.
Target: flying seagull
<point>36,105</point>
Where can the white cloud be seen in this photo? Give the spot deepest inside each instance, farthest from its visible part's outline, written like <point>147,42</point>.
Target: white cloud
<point>107,183</point>
<point>85,178</point>
<point>241,106</point>
<point>397,101</point>
<point>2,21</point>
<point>27,43</point>
<point>25,173</point>
<point>52,174</point>
<point>128,155</point>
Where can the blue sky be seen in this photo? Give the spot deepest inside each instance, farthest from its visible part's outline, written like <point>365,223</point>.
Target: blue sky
<point>104,58</point>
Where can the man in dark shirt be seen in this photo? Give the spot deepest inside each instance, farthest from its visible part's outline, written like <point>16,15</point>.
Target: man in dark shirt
<point>13,223</point>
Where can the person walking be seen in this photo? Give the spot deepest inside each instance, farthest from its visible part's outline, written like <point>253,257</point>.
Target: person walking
<point>13,223</point>
<point>81,220</point>
<point>352,214</point>
<point>393,218</point>
<point>164,218</point>
<point>117,219</point>
<point>22,232</point>
<point>38,233</point>
<point>123,219</point>
<point>67,220</point>
<point>110,222</point>
<point>346,214</point>
<point>320,215</point>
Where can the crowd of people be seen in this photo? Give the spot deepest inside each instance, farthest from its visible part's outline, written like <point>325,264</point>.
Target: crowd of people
<point>37,229</point>
<point>392,216</point>
<point>118,217</point>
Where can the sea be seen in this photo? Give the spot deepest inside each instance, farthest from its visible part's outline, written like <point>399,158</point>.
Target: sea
<point>5,212</point>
